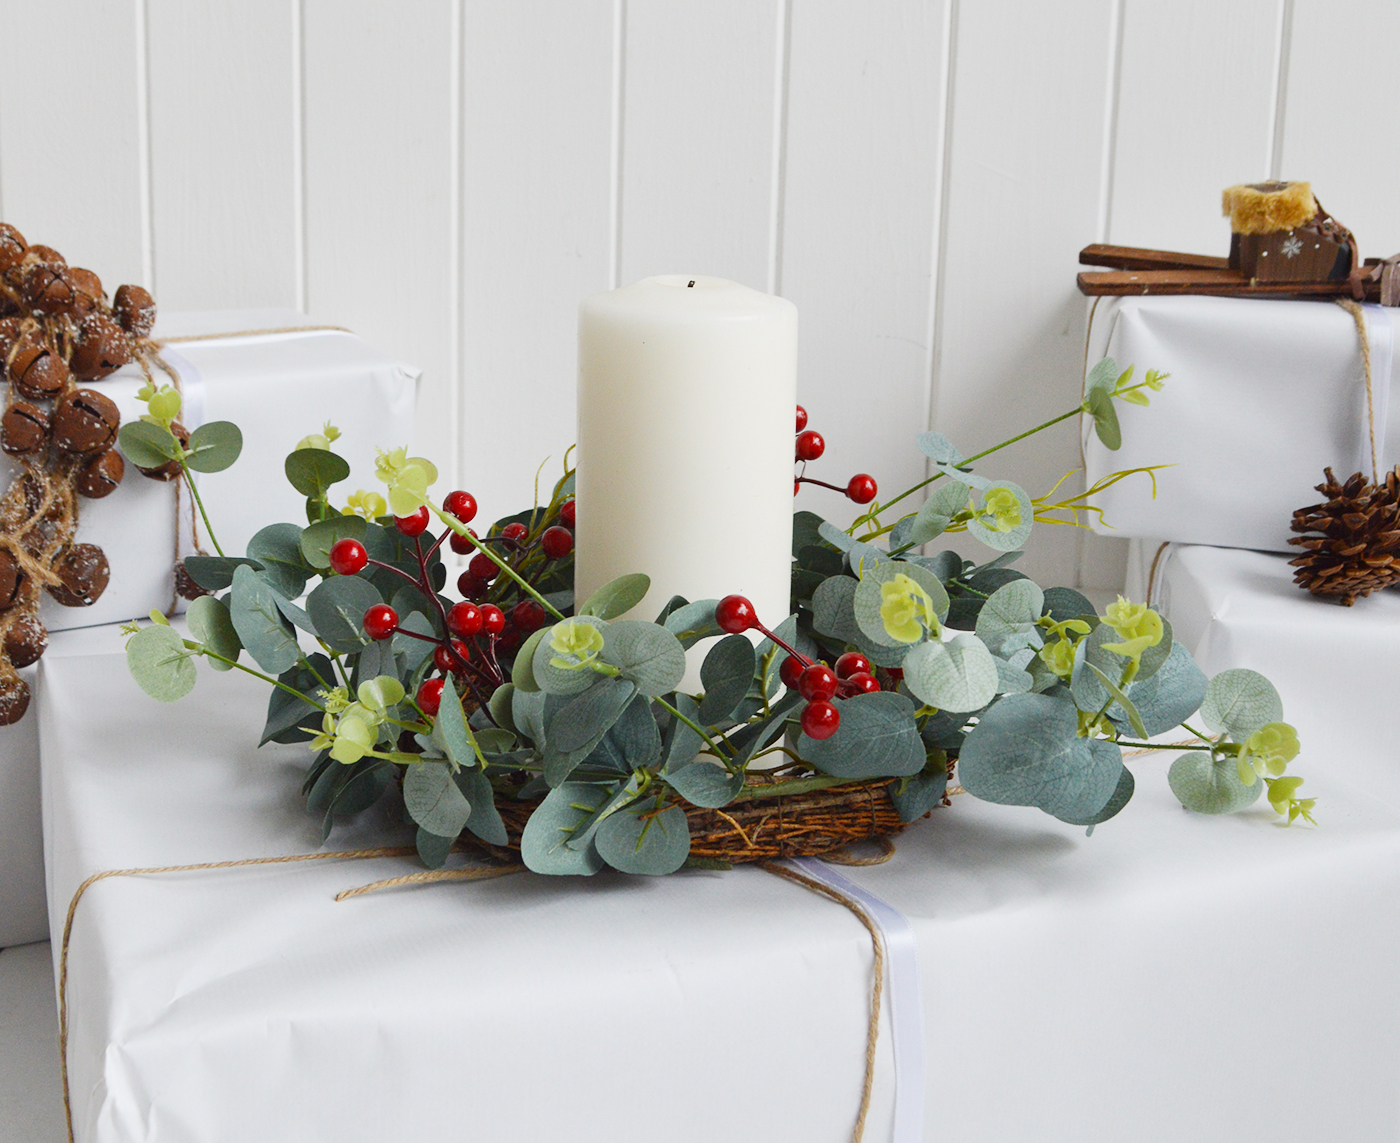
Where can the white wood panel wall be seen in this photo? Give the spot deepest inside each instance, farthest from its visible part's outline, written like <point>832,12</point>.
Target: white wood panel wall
<point>450,177</point>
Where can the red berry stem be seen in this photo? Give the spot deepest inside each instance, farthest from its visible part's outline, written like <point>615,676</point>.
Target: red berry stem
<point>801,658</point>
<point>461,530</point>
<point>822,483</point>
<point>425,585</point>
<point>403,575</point>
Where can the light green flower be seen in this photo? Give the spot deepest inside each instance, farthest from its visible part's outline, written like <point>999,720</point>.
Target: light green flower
<point>1268,750</point>
<point>335,700</point>
<point>582,641</point>
<point>321,440</point>
<point>1001,510</point>
<point>1136,624</point>
<point>408,479</point>
<point>370,505</point>
<point>1281,797</point>
<point>355,736</point>
<point>1156,380</point>
<point>379,694</point>
<point>1059,657</point>
<point>906,610</point>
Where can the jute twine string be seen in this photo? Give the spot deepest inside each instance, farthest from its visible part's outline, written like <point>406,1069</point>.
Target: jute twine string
<point>477,873</point>
<point>1359,318</point>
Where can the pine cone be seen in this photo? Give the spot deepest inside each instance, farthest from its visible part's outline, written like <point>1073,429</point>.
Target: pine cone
<point>1352,540</point>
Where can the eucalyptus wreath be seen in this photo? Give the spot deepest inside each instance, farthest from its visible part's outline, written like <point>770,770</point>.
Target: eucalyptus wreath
<point>521,695</point>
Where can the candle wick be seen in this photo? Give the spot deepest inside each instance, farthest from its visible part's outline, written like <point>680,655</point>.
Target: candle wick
<point>690,283</point>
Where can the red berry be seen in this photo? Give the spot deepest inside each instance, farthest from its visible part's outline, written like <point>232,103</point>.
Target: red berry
<point>557,542</point>
<point>510,639</point>
<point>820,720</point>
<point>381,621</point>
<point>443,660</point>
<point>568,513</point>
<point>817,683</point>
<point>483,567</point>
<point>472,586</point>
<point>810,445</point>
<point>896,673</point>
<point>430,695</point>
<point>790,672</point>
<point>851,663</point>
<point>861,683</point>
<point>493,619</point>
<point>527,615</point>
<point>796,484</point>
<point>465,619</point>
<point>460,504</point>
<point>515,532</point>
<point>414,525</point>
<point>801,418</point>
<point>862,488</point>
<point>460,544</point>
<point>348,557</point>
<point>734,614</point>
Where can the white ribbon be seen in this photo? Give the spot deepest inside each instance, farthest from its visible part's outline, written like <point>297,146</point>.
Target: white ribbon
<point>906,1001</point>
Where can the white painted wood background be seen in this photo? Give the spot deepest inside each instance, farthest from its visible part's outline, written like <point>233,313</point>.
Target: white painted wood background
<point>450,177</point>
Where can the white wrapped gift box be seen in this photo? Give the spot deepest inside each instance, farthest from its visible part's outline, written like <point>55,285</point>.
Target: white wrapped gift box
<point>277,388</point>
<point>1263,395</point>
<point>1173,977</point>
<point>1334,666</point>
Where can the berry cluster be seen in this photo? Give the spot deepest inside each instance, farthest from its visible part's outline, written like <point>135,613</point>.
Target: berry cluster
<point>816,682</point>
<point>810,445</point>
<point>495,617</point>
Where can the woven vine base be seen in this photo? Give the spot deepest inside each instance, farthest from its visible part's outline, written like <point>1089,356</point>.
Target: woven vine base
<point>781,825</point>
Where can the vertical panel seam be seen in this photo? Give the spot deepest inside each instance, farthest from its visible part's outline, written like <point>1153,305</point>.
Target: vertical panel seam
<point>619,109</point>
<point>941,182</point>
<point>456,231</point>
<point>143,146</point>
<point>299,218</point>
<point>1283,50</point>
<point>1109,154</point>
<point>777,205</point>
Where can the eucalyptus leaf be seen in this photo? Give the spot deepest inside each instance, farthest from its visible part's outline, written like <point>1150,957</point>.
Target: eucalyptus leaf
<point>522,673</point>
<point>1211,786</point>
<point>210,624</point>
<point>317,540</point>
<point>337,607</point>
<point>693,622</point>
<point>1063,603</point>
<point>292,719</point>
<point>1007,621</point>
<point>214,573</point>
<point>648,655</point>
<point>587,717</point>
<point>160,663</point>
<point>451,734</point>
<point>260,624</point>
<point>413,651</point>
<point>869,598</point>
<point>527,713</point>
<point>637,840</point>
<point>146,445</point>
<point>937,512</point>
<point>1104,375</point>
<point>1238,702</point>
<point>485,820</point>
<point>1100,407</point>
<point>681,744</point>
<point>1167,699</point>
<point>313,470</point>
<point>1122,794</point>
<point>214,446</point>
<point>725,675</point>
<point>562,680</point>
<point>835,536</point>
<point>833,609</point>
<point>433,799</point>
<point>1012,680</point>
<point>1026,751</point>
<point>616,598</point>
<point>1122,701</point>
<point>876,739</point>
<point>277,548</point>
<point>501,705</point>
<point>939,448</point>
<point>636,736</point>
<point>433,850</point>
<point>705,783</point>
<point>959,675</point>
<point>544,844</point>
<point>915,796</point>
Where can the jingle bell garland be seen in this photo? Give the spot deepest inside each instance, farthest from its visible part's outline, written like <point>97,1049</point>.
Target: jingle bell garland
<point>56,332</point>
<point>534,722</point>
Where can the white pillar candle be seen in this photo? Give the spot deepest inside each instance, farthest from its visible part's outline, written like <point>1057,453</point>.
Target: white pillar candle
<point>686,398</point>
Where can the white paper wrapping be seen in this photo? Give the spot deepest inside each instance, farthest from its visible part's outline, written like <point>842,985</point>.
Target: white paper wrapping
<point>1173,977</point>
<point>1334,666</point>
<point>1263,396</point>
<point>277,388</point>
